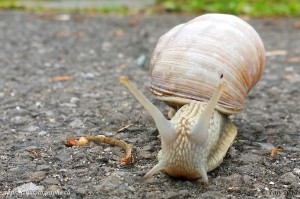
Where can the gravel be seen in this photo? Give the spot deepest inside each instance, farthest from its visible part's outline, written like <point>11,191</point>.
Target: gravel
<point>38,113</point>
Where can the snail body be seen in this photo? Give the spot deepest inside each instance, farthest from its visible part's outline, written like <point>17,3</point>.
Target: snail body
<point>203,69</point>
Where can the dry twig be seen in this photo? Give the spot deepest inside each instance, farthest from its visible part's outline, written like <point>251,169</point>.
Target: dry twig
<point>276,52</point>
<point>61,78</point>
<point>82,141</point>
<point>34,153</point>
<point>123,128</point>
<point>275,151</point>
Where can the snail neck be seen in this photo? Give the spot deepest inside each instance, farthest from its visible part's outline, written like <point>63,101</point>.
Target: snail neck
<point>197,128</point>
<point>194,119</point>
<point>187,155</point>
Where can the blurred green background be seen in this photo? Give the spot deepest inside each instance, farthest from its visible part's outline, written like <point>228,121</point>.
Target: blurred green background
<point>239,7</point>
<point>254,8</point>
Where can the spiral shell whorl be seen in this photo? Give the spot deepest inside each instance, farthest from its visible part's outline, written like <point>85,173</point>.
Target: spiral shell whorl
<point>189,60</point>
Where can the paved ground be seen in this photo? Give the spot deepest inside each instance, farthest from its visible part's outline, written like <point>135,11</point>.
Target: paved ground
<point>37,114</point>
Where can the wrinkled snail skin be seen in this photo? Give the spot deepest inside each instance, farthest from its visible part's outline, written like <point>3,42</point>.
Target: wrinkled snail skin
<point>204,69</point>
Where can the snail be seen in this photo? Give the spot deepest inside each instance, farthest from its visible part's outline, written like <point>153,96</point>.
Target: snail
<point>203,69</point>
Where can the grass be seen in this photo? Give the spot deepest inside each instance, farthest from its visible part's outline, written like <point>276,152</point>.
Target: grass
<point>9,5</point>
<point>40,8</point>
<point>254,8</point>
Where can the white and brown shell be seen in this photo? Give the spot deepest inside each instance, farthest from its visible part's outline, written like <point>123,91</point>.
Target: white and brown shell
<point>190,59</point>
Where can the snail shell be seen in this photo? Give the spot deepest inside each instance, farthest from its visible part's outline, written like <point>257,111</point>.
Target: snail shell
<point>190,59</point>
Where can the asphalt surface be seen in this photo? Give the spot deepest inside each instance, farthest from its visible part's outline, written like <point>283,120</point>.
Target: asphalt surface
<point>59,78</point>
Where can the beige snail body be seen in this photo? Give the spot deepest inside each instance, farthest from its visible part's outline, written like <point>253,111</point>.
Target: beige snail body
<point>203,69</point>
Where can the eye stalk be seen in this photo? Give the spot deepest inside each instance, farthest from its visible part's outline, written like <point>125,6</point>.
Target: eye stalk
<point>164,126</point>
<point>199,131</point>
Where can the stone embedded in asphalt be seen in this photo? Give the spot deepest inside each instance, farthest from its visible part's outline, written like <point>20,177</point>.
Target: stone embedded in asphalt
<point>289,178</point>
<point>51,181</point>
<point>36,176</point>
<point>53,188</point>
<point>19,120</point>
<point>115,185</point>
<point>76,123</point>
<point>28,187</point>
<point>296,171</point>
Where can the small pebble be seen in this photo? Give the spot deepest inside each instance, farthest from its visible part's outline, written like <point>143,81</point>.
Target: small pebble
<point>38,104</point>
<point>246,179</point>
<point>19,120</point>
<point>28,187</point>
<point>106,46</point>
<point>70,105</point>
<point>74,100</point>
<point>145,154</point>
<point>43,167</point>
<point>88,76</point>
<point>141,60</point>
<point>51,181</point>
<point>42,133</point>
<point>114,185</point>
<point>64,156</point>
<point>88,113</point>
<point>265,146</point>
<point>53,188</point>
<point>250,158</point>
<point>179,194</point>
<point>49,113</point>
<point>81,191</point>
<point>76,123</point>
<point>289,178</point>
<point>63,17</point>
<point>234,179</point>
<point>232,151</point>
<point>296,171</point>
<point>32,128</point>
<point>36,176</point>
